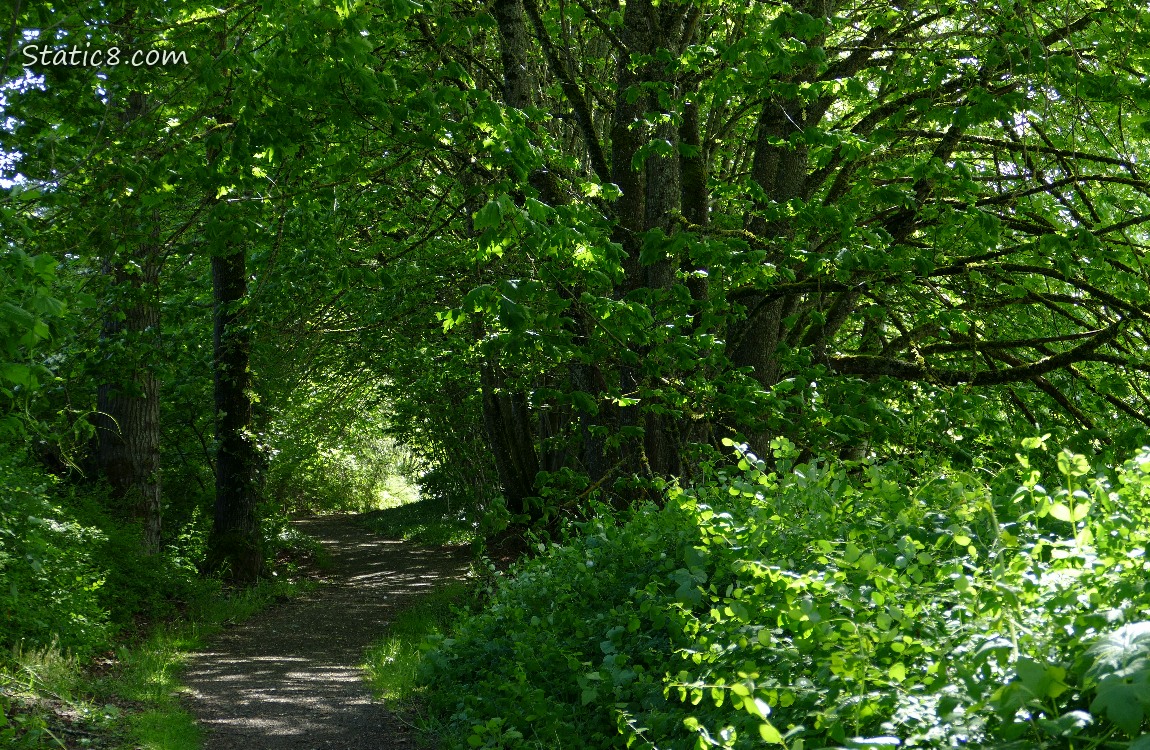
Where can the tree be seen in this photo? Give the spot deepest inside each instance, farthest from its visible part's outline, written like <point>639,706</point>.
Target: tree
<point>720,222</point>
<point>96,207</point>
<point>127,417</point>
<point>107,148</point>
<point>268,168</point>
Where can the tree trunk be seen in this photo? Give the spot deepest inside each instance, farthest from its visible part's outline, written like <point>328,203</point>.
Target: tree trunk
<point>781,172</point>
<point>652,194</point>
<point>128,408</point>
<point>234,545</point>
<point>507,420</point>
<point>507,416</point>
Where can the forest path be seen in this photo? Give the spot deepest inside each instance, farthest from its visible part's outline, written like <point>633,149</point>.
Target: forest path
<point>289,678</point>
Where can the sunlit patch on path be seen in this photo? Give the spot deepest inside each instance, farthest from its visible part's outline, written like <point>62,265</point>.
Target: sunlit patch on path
<point>289,678</point>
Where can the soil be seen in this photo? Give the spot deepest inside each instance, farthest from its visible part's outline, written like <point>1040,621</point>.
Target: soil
<point>289,678</point>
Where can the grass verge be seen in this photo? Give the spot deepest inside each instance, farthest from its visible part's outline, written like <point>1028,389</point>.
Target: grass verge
<point>148,673</point>
<point>393,661</point>
<point>128,698</point>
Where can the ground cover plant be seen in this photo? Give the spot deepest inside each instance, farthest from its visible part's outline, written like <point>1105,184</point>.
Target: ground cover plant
<point>825,604</point>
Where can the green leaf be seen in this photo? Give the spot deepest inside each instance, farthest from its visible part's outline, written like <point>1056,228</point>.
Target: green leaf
<point>477,299</point>
<point>654,247</point>
<point>757,707</point>
<point>1061,512</point>
<point>1031,443</point>
<point>1123,701</point>
<point>1125,652</point>
<point>16,374</point>
<point>512,315</point>
<point>1073,464</point>
<point>769,734</point>
<point>1067,724</point>
<point>1142,743</point>
<point>17,315</point>
<point>584,402</point>
<point>488,216</point>
<point>1041,680</point>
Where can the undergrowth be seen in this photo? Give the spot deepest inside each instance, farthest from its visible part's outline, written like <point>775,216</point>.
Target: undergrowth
<point>93,631</point>
<point>824,605</point>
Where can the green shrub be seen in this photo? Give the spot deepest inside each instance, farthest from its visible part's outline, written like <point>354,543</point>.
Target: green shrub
<point>49,583</point>
<point>563,641</point>
<point>138,586</point>
<point>825,605</point>
<point>71,574</point>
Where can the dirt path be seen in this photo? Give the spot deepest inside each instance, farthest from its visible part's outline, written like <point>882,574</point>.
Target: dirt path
<point>288,679</point>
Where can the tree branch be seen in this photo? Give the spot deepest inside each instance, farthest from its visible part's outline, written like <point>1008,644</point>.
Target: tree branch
<point>573,93</point>
<point>982,346</point>
<point>872,365</point>
<point>1022,147</point>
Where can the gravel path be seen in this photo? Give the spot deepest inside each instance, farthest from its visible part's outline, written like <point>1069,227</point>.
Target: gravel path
<point>288,679</point>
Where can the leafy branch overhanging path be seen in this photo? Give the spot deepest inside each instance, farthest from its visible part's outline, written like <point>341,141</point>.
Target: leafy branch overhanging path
<point>289,679</point>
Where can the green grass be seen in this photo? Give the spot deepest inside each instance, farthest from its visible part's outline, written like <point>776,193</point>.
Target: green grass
<point>431,521</point>
<point>47,671</point>
<point>392,662</point>
<point>166,730</point>
<point>133,702</point>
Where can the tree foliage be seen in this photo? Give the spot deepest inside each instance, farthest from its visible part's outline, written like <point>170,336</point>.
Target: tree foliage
<point>688,222</point>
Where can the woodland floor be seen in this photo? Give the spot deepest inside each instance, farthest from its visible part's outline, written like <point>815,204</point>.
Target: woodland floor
<point>289,678</point>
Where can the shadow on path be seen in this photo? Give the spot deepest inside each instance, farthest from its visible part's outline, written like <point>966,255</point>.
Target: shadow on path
<point>289,678</point>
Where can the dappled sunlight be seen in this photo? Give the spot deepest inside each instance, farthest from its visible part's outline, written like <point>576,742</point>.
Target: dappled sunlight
<point>293,671</point>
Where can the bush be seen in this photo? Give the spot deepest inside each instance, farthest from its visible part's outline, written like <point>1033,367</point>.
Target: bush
<point>138,586</point>
<point>49,583</point>
<point>73,575</point>
<point>287,547</point>
<point>826,605</point>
